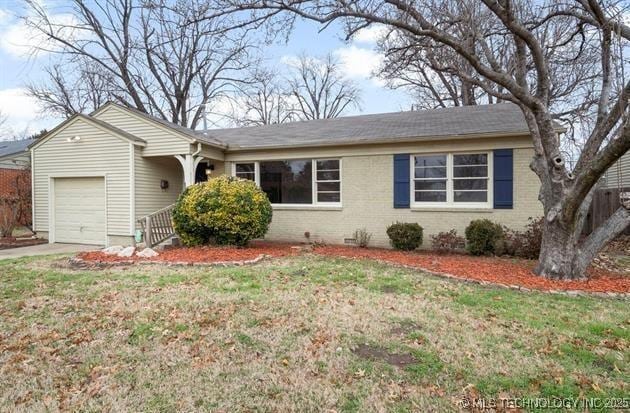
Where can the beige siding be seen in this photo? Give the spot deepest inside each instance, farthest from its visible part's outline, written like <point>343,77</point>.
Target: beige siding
<point>209,152</point>
<point>160,141</point>
<point>621,167</point>
<point>148,174</point>
<point>17,161</point>
<point>368,202</point>
<point>98,153</point>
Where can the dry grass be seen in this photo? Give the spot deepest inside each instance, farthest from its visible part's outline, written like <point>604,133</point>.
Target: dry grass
<point>295,334</point>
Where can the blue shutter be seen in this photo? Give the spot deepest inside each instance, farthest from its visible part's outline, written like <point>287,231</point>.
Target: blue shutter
<point>401,181</point>
<point>503,178</point>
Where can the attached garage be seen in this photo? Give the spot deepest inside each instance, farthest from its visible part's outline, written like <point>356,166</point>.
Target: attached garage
<point>79,210</point>
<point>83,188</point>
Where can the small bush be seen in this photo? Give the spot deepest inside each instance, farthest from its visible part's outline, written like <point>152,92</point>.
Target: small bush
<point>482,236</point>
<point>405,236</point>
<point>362,237</point>
<point>228,210</point>
<point>524,244</point>
<point>447,241</point>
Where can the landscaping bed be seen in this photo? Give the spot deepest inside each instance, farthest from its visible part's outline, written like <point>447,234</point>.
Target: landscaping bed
<point>496,270</point>
<point>205,255</point>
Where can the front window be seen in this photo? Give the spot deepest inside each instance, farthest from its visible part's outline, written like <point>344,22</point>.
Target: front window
<point>245,171</point>
<point>451,179</point>
<point>287,182</point>
<point>297,182</point>
<point>328,181</point>
<point>470,178</point>
<point>430,176</point>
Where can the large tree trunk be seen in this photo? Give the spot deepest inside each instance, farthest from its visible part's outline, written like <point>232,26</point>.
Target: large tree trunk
<point>559,254</point>
<point>565,256</point>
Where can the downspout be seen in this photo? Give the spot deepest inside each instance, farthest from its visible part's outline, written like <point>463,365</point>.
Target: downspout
<point>198,151</point>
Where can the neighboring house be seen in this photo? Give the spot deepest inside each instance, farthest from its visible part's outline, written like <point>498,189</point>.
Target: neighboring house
<point>14,159</point>
<point>618,175</point>
<point>15,154</point>
<point>95,176</point>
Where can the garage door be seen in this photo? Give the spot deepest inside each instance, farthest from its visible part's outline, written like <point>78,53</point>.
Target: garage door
<point>80,210</point>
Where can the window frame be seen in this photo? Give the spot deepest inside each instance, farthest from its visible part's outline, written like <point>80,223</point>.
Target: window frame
<point>314,180</point>
<point>450,190</point>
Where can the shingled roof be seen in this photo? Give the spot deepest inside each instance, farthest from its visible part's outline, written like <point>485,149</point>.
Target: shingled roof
<point>467,121</point>
<point>8,148</point>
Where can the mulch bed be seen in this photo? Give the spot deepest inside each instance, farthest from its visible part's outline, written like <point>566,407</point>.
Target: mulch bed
<point>208,254</point>
<point>505,271</point>
<point>496,270</point>
<point>8,243</point>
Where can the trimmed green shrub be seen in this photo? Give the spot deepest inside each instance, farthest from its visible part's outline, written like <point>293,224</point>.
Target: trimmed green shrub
<point>482,235</point>
<point>226,210</point>
<point>405,236</point>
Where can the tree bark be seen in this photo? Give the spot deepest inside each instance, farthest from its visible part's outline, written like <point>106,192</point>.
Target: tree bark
<point>564,256</point>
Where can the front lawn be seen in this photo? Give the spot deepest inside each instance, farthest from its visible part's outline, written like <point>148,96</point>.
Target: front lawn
<point>303,333</point>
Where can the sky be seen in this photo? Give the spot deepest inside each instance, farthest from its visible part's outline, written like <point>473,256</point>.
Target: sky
<point>20,67</point>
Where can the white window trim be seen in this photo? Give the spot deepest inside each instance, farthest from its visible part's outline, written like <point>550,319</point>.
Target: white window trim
<point>314,203</point>
<point>450,193</point>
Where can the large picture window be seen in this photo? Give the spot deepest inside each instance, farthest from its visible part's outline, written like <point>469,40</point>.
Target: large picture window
<point>287,182</point>
<point>296,182</point>
<point>451,179</point>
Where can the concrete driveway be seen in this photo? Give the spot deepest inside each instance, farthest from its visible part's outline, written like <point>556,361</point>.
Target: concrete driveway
<point>45,249</point>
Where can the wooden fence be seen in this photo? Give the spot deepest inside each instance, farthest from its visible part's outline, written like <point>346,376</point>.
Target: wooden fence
<point>605,203</point>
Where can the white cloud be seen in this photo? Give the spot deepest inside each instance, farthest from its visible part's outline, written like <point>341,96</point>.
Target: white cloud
<point>5,16</point>
<point>359,63</point>
<point>22,112</point>
<point>370,34</point>
<point>19,39</point>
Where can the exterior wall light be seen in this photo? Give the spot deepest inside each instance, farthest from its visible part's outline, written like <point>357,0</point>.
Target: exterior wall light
<point>74,139</point>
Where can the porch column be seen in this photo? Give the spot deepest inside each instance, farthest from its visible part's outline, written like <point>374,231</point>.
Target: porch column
<point>189,164</point>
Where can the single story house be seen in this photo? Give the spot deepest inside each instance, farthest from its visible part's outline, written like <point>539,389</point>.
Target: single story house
<point>95,176</point>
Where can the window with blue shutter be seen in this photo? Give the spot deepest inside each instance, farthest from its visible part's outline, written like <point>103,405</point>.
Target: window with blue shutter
<point>401,180</point>
<point>503,178</point>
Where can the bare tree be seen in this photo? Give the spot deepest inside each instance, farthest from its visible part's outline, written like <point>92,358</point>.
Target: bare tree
<point>158,56</point>
<point>263,101</point>
<point>520,71</point>
<point>418,68</point>
<point>65,93</point>
<point>319,89</point>
<point>313,89</point>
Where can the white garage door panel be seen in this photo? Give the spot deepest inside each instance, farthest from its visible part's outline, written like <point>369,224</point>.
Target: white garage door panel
<point>80,210</point>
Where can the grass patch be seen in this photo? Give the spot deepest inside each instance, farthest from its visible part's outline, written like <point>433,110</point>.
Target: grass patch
<point>283,335</point>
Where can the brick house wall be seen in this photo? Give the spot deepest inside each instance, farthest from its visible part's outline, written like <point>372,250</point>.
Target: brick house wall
<point>14,182</point>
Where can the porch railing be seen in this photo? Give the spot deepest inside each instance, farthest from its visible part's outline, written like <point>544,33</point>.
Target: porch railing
<point>158,226</point>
